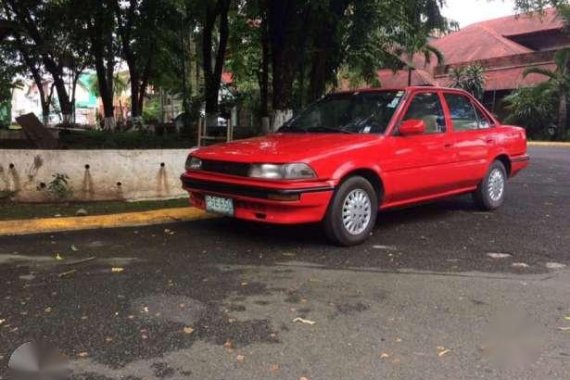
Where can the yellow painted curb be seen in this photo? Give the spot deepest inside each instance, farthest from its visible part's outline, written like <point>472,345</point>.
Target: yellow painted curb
<point>143,218</point>
<point>559,144</point>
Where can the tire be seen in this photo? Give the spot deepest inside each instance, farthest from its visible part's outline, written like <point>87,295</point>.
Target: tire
<point>490,193</point>
<point>354,192</point>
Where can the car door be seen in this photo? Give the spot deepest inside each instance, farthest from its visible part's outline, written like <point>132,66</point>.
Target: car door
<point>472,140</point>
<point>415,166</point>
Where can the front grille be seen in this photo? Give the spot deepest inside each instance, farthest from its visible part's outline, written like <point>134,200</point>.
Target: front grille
<point>225,167</point>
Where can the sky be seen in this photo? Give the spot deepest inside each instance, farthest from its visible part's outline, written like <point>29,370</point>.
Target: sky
<point>467,12</point>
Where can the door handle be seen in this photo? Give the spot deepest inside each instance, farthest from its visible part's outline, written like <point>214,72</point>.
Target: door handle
<point>448,145</point>
<point>490,141</point>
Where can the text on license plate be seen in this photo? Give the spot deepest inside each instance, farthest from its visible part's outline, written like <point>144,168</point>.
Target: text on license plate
<point>219,205</point>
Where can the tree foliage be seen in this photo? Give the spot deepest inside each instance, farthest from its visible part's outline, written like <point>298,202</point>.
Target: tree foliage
<point>469,78</point>
<point>559,84</point>
<point>533,108</point>
<point>283,54</point>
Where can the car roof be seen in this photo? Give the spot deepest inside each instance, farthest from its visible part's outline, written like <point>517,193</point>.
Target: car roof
<point>406,89</point>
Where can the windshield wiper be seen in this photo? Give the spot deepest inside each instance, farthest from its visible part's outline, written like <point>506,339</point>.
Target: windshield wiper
<point>292,129</point>
<point>330,129</point>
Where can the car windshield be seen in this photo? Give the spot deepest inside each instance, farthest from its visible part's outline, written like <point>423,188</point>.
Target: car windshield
<point>358,112</point>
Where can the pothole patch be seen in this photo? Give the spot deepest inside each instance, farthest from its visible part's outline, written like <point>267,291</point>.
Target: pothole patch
<point>169,308</point>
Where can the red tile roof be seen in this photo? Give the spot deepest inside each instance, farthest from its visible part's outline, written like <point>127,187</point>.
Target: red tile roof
<point>525,23</point>
<point>482,41</point>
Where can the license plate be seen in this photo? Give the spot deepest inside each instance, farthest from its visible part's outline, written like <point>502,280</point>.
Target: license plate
<point>219,205</point>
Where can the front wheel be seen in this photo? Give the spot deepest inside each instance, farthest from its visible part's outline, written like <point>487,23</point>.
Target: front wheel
<point>490,193</point>
<point>351,215</point>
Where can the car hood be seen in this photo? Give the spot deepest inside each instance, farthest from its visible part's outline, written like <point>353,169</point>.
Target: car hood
<point>286,147</point>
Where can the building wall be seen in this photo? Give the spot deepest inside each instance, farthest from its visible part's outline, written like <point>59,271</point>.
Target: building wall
<point>93,174</point>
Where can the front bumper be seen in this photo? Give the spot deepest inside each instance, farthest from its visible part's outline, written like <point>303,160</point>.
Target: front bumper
<point>306,202</point>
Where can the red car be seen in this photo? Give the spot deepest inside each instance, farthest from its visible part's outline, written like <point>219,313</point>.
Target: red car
<point>354,153</point>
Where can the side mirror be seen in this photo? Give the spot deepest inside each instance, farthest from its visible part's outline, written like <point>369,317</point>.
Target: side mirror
<point>412,127</point>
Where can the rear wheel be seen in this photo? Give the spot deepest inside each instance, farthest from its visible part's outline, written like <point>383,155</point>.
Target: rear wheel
<point>490,193</point>
<point>351,215</point>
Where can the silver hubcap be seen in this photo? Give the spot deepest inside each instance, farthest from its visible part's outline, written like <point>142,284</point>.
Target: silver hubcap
<point>356,211</point>
<point>496,185</point>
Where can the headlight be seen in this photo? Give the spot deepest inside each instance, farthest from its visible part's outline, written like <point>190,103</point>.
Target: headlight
<point>285,171</point>
<point>193,163</point>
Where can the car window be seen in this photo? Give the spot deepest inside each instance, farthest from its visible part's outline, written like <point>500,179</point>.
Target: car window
<point>484,121</point>
<point>427,107</point>
<point>462,112</point>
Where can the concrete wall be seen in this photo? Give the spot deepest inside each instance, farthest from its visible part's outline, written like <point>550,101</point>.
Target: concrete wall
<point>25,175</point>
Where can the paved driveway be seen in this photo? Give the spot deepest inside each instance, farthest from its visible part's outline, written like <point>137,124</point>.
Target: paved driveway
<point>440,291</point>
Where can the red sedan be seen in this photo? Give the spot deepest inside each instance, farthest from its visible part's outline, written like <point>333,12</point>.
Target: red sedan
<point>354,153</point>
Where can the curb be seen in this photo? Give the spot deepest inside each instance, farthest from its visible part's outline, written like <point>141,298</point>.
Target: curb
<point>559,144</point>
<point>132,219</point>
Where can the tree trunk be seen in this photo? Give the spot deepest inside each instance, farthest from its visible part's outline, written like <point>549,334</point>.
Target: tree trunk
<point>213,72</point>
<point>562,116</point>
<point>409,76</point>
<point>64,102</point>
<point>62,95</point>
<point>264,77</point>
<point>135,112</point>
<point>284,58</point>
<point>73,91</point>
<point>46,104</point>
<point>326,50</point>
<point>105,92</point>
<point>101,50</point>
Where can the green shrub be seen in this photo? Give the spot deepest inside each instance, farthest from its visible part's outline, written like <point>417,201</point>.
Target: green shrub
<point>534,108</point>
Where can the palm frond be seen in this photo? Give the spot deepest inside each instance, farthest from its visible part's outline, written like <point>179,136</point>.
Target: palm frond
<point>539,71</point>
<point>432,50</point>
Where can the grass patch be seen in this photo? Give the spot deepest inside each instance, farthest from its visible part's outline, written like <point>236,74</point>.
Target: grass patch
<point>12,211</point>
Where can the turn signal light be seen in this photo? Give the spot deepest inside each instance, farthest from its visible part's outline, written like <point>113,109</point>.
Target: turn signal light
<point>284,197</point>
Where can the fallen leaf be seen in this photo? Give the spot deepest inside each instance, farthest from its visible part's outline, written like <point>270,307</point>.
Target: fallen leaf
<point>67,273</point>
<point>385,247</point>
<point>564,328</point>
<point>74,248</point>
<point>384,355</point>
<point>188,330</point>
<point>83,354</point>
<point>145,309</point>
<point>303,378</point>
<point>520,265</point>
<point>305,321</point>
<point>108,339</point>
<point>117,270</point>
<point>229,344</point>
<point>289,254</point>
<point>274,368</point>
<point>495,255</point>
<point>58,257</point>
<point>443,352</point>
<point>555,266</point>
<point>47,309</point>
<point>240,358</point>
<point>566,318</point>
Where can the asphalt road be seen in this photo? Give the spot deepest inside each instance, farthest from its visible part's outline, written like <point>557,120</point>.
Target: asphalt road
<point>217,299</point>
